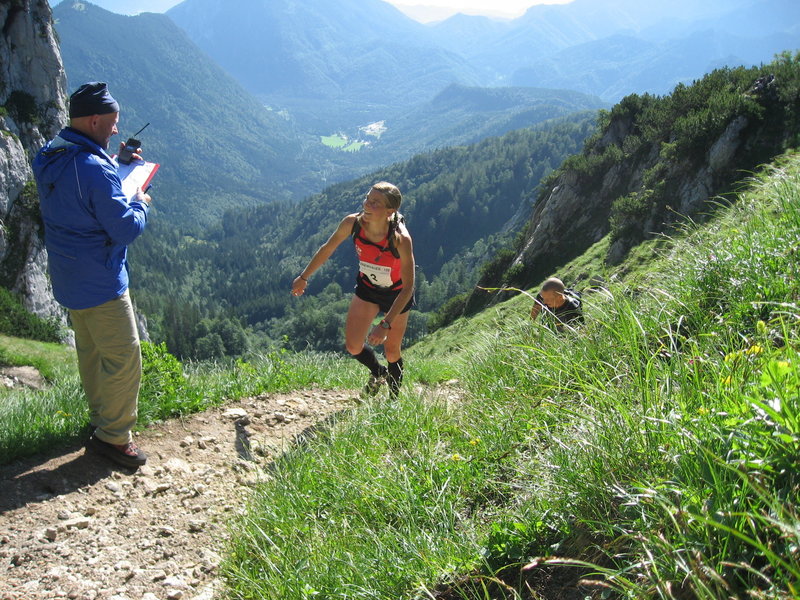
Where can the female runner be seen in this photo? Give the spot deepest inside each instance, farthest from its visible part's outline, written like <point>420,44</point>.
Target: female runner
<point>385,283</point>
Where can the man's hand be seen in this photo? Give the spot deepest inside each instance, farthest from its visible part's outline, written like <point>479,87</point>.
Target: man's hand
<point>135,155</point>
<point>142,197</point>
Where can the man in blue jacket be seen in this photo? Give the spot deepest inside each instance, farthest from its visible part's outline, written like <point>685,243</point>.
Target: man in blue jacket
<point>88,224</point>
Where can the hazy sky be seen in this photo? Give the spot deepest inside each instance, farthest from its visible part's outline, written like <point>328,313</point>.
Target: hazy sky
<point>508,8</point>
<point>421,9</point>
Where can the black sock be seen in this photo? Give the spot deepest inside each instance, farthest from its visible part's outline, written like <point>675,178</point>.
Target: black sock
<point>367,358</point>
<point>395,376</point>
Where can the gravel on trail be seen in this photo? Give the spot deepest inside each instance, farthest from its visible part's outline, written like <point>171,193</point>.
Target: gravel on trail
<point>75,526</point>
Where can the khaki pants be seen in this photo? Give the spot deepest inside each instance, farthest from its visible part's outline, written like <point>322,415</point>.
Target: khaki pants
<point>110,365</point>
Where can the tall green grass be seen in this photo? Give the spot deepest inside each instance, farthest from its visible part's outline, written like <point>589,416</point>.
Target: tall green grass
<point>47,357</point>
<point>33,420</point>
<point>655,449</point>
<point>680,451</point>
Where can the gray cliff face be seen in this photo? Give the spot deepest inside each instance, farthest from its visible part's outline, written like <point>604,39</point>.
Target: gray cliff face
<point>32,92</point>
<point>574,215</point>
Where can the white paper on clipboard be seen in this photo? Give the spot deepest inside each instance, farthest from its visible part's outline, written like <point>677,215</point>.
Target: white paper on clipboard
<point>137,174</point>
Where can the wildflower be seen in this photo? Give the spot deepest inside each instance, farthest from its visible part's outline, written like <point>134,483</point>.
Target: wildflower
<point>731,356</point>
<point>754,349</point>
<point>703,410</point>
<point>456,457</point>
<point>761,327</point>
<point>727,381</point>
<point>475,441</point>
<point>696,361</point>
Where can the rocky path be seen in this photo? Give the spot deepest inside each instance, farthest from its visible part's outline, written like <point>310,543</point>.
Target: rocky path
<point>75,526</point>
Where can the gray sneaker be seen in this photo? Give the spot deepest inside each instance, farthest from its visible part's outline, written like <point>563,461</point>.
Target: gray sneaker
<point>128,455</point>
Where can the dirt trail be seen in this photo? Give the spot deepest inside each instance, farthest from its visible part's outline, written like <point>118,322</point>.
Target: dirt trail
<point>76,526</point>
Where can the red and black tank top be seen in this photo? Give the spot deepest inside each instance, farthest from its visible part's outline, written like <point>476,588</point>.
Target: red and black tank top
<point>377,265</point>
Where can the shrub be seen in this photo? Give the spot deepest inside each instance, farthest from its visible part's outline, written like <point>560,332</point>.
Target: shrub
<point>22,106</point>
<point>18,322</point>
<point>628,214</point>
<point>162,383</point>
<point>449,312</point>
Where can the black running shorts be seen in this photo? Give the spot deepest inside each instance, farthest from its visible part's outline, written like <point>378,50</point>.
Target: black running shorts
<point>382,297</point>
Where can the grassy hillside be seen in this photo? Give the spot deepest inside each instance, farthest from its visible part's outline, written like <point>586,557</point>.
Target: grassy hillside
<point>653,452</point>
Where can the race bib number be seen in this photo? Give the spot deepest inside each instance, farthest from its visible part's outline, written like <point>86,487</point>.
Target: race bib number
<point>377,274</point>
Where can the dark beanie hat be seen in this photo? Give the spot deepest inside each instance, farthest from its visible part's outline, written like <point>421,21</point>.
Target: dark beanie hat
<point>92,99</point>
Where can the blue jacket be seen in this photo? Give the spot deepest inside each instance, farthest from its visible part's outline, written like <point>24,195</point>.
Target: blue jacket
<point>88,222</point>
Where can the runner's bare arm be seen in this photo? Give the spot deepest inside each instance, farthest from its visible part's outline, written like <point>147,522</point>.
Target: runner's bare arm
<point>323,254</point>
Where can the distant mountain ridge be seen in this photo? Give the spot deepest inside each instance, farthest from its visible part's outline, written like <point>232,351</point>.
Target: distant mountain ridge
<point>461,115</point>
<point>357,56</point>
<point>314,49</point>
<point>611,67</point>
<point>345,63</point>
<point>543,47</point>
<point>493,50</point>
<point>220,148</point>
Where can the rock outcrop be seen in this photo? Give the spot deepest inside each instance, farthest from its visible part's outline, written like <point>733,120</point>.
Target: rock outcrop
<point>575,216</point>
<point>32,91</point>
<point>644,176</point>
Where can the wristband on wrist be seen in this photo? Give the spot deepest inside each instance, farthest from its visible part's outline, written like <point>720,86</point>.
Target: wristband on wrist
<point>384,325</point>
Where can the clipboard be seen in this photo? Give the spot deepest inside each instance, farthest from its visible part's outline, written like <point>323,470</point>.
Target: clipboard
<point>137,174</point>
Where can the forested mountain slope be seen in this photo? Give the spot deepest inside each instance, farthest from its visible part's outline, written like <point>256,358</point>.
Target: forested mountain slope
<point>217,145</point>
<point>221,148</point>
<point>461,115</point>
<point>654,163</point>
<point>458,203</point>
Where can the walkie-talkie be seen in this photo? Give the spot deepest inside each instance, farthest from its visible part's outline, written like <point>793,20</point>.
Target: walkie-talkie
<point>131,146</point>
